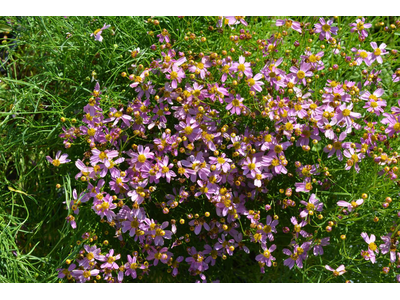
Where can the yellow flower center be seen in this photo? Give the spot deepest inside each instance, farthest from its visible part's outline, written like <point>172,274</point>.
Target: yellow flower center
<point>141,158</point>
<point>363,54</point>
<point>275,162</point>
<point>221,160</point>
<point>374,104</point>
<point>307,133</point>
<point>91,131</point>
<point>251,166</point>
<point>301,74</point>
<point>346,112</point>
<point>354,157</point>
<point>134,224</point>
<point>377,52</point>
<point>396,126</point>
<point>236,102</point>
<point>251,81</point>
<point>241,68</point>
<point>267,229</point>
<point>90,256</point>
<point>310,206</point>
<point>372,246</point>
<point>56,162</point>
<point>105,205</point>
<point>337,145</point>
<point>326,27</point>
<point>204,189</point>
<point>160,232</point>
<point>289,126</point>
<point>102,155</point>
<point>278,149</point>
<point>174,75</point>
<point>200,66</point>
<point>165,169</point>
<point>134,266</point>
<point>267,254</point>
<point>360,25</point>
<point>86,274</point>
<point>188,130</point>
<point>196,93</point>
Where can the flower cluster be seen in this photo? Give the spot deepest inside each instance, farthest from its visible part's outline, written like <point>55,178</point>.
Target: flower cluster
<point>187,172</point>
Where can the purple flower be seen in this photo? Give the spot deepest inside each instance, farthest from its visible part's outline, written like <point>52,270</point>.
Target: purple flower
<point>318,244</point>
<point>372,247</point>
<point>360,26</point>
<point>84,275</point>
<point>339,271</point>
<point>388,246</point>
<point>98,32</point>
<point>266,256</point>
<point>66,272</point>
<point>196,260</point>
<point>92,254</point>
<point>350,206</point>
<point>325,29</point>
<point>59,159</point>
<point>312,205</point>
<point>289,24</point>
<point>378,52</point>
<point>109,260</point>
<point>300,75</point>
<point>299,254</point>
<point>159,255</point>
<point>130,266</point>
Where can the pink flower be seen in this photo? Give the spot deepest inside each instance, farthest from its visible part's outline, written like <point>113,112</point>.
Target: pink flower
<point>251,166</point>
<point>164,36</point>
<point>165,169</point>
<point>59,159</point>
<point>84,275</point>
<point>350,206</point>
<point>372,247</point>
<point>266,256</point>
<point>235,104</point>
<point>378,52</point>
<point>300,75</point>
<point>236,20</point>
<point>254,83</point>
<point>299,254</point>
<point>98,32</point>
<point>318,244</point>
<point>201,67</point>
<point>176,74</point>
<point>360,26</point>
<point>362,56</point>
<point>394,124</point>
<point>312,205</point>
<point>289,24</point>
<point>325,29</point>
<point>242,67</point>
<point>354,158</point>
<point>339,271</point>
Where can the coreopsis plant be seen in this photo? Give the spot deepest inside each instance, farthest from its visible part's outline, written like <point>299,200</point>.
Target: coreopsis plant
<point>234,150</point>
